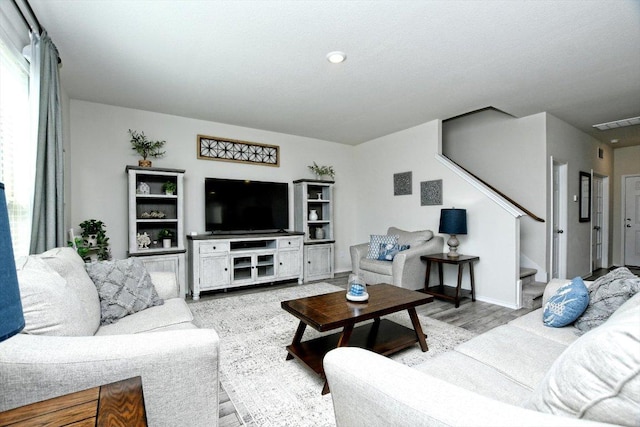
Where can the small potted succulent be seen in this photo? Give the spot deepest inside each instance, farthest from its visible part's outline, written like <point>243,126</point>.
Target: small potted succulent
<point>169,188</point>
<point>166,236</point>
<point>146,148</point>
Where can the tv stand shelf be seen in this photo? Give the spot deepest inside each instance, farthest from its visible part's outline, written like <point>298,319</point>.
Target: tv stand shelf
<point>222,261</point>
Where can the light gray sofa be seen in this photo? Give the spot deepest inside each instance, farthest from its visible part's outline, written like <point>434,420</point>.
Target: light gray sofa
<point>512,375</point>
<point>406,270</point>
<point>177,361</point>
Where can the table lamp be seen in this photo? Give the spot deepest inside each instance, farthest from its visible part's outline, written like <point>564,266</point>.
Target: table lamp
<point>11,317</point>
<point>453,222</point>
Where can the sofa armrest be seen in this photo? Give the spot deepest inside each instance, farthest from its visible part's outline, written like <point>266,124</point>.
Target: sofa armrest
<point>408,269</point>
<point>358,252</point>
<point>166,284</point>
<point>179,371</point>
<point>371,390</point>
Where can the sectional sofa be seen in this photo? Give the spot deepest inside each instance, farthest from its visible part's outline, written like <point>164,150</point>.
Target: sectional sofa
<point>522,373</point>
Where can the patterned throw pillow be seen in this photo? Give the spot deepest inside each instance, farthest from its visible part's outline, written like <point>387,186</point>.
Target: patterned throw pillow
<point>566,305</point>
<point>606,295</point>
<point>376,240</point>
<point>124,287</point>
<point>388,251</point>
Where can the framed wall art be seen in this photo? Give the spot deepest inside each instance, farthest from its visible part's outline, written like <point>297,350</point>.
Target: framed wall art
<point>431,193</point>
<point>232,150</point>
<point>402,183</point>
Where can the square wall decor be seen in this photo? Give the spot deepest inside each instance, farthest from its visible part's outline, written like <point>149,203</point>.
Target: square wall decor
<point>431,193</point>
<point>402,183</point>
<point>231,150</point>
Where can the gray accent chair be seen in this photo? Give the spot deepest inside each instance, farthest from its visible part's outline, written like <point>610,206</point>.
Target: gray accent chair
<point>406,270</point>
<point>71,351</point>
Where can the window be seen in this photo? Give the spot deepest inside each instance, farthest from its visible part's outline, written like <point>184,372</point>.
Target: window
<point>17,148</point>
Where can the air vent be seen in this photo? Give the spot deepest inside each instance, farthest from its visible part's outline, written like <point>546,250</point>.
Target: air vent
<point>618,124</point>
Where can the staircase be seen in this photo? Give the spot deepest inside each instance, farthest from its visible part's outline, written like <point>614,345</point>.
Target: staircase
<point>531,290</point>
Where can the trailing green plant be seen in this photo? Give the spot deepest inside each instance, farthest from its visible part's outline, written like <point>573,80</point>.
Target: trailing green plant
<point>93,227</point>
<point>169,187</point>
<point>144,147</point>
<point>322,170</point>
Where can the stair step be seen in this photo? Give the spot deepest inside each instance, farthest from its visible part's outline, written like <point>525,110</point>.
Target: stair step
<point>525,272</point>
<point>532,294</point>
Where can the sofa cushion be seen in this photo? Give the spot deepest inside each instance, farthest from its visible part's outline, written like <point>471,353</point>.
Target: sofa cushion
<point>68,264</point>
<point>411,238</point>
<point>515,353</point>
<point>388,251</point>
<point>375,266</point>
<point>124,287</point>
<point>470,374</point>
<point>50,305</point>
<point>376,240</point>
<point>598,376</point>
<point>606,295</point>
<point>532,323</point>
<point>173,314</point>
<point>566,304</point>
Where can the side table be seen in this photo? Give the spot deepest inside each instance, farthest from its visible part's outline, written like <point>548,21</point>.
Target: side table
<point>116,404</point>
<point>450,292</point>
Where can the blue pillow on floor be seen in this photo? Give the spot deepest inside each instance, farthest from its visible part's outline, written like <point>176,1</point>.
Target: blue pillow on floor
<point>566,305</point>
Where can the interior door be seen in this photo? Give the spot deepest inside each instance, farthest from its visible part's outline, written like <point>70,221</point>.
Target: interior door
<point>631,221</point>
<point>597,222</point>
<point>559,239</point>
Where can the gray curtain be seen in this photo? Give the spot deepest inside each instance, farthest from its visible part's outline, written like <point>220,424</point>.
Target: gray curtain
<point>47,230</point>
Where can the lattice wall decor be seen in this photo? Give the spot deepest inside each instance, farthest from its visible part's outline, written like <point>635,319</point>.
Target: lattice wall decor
<point>431,193</point>
<point>231,150</point>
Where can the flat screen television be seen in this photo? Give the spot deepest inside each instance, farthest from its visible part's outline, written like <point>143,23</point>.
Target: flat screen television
<point>244,206</point>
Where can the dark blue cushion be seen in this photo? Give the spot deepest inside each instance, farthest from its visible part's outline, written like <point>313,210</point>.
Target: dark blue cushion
<point>566,305</point>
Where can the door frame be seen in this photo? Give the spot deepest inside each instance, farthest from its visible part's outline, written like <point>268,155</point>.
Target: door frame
<point>623,203</point>
<point>605,217</point>
<point>562,218</point>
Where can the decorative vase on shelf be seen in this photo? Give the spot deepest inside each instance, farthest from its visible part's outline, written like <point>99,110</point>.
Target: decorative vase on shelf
<point>313,215</point>
<point>319,233</point>
<point>144,163</point>
<point>166,243</point>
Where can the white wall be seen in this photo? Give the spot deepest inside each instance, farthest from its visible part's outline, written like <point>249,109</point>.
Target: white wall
<point>626,162</point>
<point>579,151</point>
<point>491,231</point>
<point>100,150</point>
<point>509,154</point>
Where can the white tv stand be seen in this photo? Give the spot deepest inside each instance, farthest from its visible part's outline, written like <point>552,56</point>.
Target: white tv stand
<point>222,261</point>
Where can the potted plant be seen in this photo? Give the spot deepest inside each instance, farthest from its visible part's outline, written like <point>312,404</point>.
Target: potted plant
<point>94,237</point>
<point>166,236</point>
<point>146,148</point>
<point>169,188</point>
<point>322,171</point>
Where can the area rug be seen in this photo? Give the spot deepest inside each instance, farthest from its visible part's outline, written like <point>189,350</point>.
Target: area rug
<point>268,390</point>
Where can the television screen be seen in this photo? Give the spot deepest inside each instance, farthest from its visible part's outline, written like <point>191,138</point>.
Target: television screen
<point>243,206</point>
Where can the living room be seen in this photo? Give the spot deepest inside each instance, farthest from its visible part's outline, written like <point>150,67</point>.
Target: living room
<point>97,148</point>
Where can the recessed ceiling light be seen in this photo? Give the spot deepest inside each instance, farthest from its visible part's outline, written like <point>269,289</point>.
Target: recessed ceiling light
<point>336,57</point>
<point>618,123</point>
<point>615,141</point>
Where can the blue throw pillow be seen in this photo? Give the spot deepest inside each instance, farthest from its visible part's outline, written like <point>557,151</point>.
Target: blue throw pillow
<point>388,251</point>
<point>376,240</point>
<point>566,305</point>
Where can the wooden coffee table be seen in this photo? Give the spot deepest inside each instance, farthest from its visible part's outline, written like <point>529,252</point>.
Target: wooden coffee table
<point>332,311</point>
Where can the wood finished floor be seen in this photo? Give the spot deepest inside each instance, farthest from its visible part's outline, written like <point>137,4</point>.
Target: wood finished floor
<point>477,317</point>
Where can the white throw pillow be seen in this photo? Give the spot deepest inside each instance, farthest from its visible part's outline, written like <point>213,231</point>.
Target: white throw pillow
<point>598,376</point>
<point>50,306</point>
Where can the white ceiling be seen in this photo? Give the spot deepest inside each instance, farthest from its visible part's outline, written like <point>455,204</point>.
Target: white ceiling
<point>262,64</point>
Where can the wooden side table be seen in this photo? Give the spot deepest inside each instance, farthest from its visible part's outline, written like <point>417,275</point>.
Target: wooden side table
<point>450,292</point>
<point>116,404</point>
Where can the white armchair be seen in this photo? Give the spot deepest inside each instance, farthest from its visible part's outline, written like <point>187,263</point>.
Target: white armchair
<point>406,270</point>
